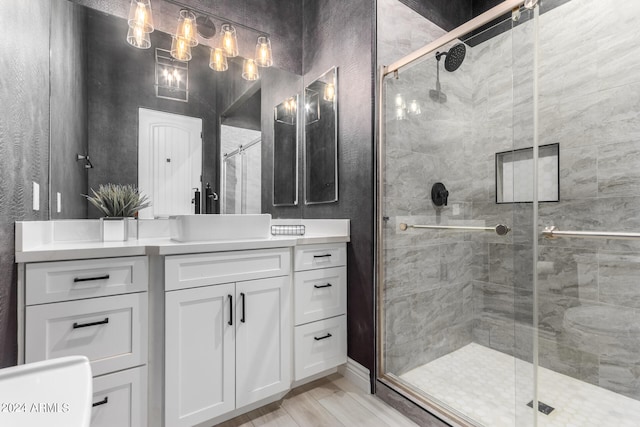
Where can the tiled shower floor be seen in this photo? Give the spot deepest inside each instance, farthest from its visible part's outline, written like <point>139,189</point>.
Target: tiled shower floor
<point>479,383</point>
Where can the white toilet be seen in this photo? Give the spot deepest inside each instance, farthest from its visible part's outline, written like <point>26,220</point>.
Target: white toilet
<point>52,393</point>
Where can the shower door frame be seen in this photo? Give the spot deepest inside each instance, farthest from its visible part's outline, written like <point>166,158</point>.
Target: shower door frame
<point>390,380</point>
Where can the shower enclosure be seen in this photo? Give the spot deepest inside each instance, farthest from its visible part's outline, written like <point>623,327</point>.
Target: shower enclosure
<point>509,218</point>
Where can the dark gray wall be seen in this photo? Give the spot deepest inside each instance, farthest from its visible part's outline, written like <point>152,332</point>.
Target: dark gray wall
<point>24,141</point>
<point>341,33</point>
<point>69,117</point>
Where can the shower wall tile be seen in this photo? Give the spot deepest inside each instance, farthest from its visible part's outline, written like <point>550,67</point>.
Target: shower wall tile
<point>618,173</point>
<point>578,172</point>
<point>410,270</point>
<point>623,379</point>
<point>569,361</point>
<point>568,272</point>
<point>619,279</point>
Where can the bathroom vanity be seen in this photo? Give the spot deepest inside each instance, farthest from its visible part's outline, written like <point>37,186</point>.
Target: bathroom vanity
<point>183,333</point>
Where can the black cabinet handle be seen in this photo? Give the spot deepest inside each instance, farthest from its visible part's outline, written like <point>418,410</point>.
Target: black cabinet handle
<point>230,322</point>
<point>328,285</point>
<point>242,319</point>
<point>84,325</point>
<point>323,338</point>
<point>102,402</point>
<point>322,256</point>
<point>88,279</point>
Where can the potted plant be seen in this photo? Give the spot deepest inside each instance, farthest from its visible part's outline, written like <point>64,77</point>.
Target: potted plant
<point>118,203</point>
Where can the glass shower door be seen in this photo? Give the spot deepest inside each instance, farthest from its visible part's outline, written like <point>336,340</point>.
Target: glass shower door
<point>456,289</point>
<point>588,259</point>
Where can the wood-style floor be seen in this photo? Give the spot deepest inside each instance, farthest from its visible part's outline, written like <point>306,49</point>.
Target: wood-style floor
<point>329,402</point>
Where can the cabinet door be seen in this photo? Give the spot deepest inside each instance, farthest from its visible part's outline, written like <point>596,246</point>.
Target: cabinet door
<point>200,359</point>
<point>263,339</point>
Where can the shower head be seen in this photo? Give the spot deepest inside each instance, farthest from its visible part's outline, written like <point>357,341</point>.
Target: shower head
<point>454,57</point>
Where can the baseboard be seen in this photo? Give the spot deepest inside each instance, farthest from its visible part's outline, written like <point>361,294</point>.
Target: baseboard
<point>357,374</point>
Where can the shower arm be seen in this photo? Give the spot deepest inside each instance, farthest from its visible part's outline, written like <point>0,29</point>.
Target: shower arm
<point>500,229</point>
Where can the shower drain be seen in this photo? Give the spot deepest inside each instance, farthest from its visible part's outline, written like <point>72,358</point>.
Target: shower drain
<point>542,407</point>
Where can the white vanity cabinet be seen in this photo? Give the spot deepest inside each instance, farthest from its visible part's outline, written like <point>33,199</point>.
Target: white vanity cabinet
<point>227,332</point>
<point>320,306</point>
<point>96,308</point>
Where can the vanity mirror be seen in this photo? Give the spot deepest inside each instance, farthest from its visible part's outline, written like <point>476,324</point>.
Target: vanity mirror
<point>285,153</point>
<point>100,84</point>
<point>321,139</point>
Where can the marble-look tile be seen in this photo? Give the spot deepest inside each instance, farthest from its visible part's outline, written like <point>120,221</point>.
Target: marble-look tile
<point>617,169</point>
<point>579,169</point>
<point>619,279</point>
<point>569,361</point>
<point>408,270</point>
<point>623,379</point>
<point>569,272</point>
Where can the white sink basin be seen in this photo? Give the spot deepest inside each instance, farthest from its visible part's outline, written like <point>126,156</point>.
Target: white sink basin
<point>198,228</point>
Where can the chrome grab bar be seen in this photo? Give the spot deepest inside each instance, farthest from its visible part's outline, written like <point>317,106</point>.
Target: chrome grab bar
<point>500,229</point>
<point>552,232</point>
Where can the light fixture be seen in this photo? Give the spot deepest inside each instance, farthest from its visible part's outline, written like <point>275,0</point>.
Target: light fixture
<point>264,57</point>
<point>180,48</point>
<point>217,60</point>
<point>136,37</point>
<point>187,28</point>
<point>140,15</point>
<point>290,107</point>
<point>329,92</point>
<point>229,40</point>
<point>250,70</point>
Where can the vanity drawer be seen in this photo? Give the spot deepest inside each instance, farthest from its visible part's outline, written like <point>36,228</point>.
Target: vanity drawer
<point>190,271</point>
<point>320,346</point>
<point>309,257</point>
<point>120,399</point>
<point>110,331</point>
<point>320,294</point>
<point>71,280</point>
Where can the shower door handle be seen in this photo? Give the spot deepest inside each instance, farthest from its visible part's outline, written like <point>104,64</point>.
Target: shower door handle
<point>500,229</point>
<point>552,232</point>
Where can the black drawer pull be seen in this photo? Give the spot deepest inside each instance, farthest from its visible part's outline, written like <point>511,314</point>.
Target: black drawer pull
<point>84,325</point>
<point>242,319</point>
<point>323,338</point>
<point>230,322</point>
<point>88,279</point>
<point>328,285</point>
<point>322,256</point>
<point>102,402</point>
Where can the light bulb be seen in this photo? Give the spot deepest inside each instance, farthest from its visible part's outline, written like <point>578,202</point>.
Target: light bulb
<point>140,15</point>
<point>180,49</point>
<point>217,60</point>
<point>250,70</point>
<point>264,56</point>
<point>187,27</point>
<point>136,37</point>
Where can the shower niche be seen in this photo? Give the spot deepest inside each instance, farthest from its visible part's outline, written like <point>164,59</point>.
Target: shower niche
<point>514,175</point>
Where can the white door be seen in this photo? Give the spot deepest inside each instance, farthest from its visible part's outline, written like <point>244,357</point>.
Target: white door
<point>199,354</point>
<point>169,162</point>
<point>263,339</point>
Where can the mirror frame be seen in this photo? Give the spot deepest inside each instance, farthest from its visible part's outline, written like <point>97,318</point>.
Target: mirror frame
<point>323,77</point>
<point>296,97</point>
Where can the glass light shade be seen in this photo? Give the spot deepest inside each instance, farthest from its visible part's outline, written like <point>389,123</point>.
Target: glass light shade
<point>264,57</point>
<point>140,15</point>
<point>329,92</point>
<point>250,70</point>
<point>290,107</point>
<point>180,49</point>
<point>217,60</point>
<point>187,27</point>
<point>136,37</point>
<point>229,40</point>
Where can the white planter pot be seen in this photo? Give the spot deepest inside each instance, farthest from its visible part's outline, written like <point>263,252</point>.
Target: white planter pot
<point>114,229</point>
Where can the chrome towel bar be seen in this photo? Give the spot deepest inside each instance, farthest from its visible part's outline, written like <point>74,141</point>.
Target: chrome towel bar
<point>551,232</point>
<point>500,229</point>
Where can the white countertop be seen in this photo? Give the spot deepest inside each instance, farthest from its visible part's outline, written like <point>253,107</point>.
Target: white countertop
<point>30,249</point>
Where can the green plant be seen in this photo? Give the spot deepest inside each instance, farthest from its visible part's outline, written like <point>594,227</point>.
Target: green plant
<point>116,200</point>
